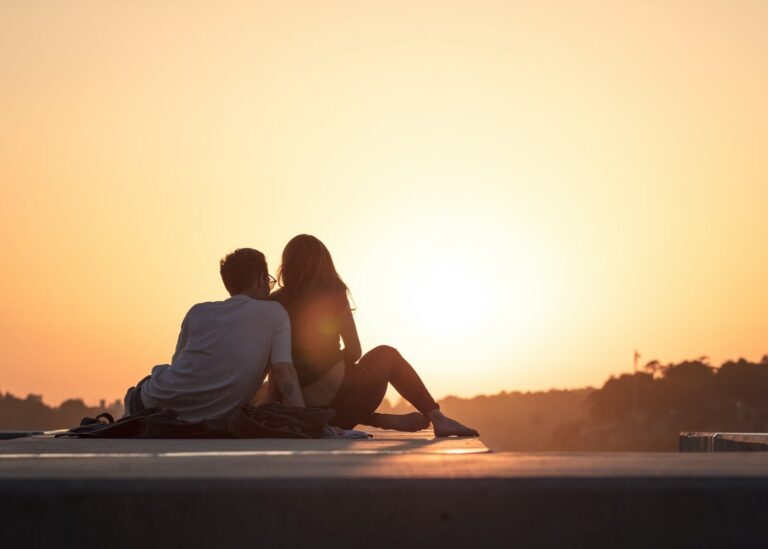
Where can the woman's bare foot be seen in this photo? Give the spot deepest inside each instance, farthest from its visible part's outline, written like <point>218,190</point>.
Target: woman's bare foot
<point>446,427</point>
<point>415,421</point>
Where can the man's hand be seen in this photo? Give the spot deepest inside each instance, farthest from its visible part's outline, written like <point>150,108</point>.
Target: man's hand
<point>283,375</point>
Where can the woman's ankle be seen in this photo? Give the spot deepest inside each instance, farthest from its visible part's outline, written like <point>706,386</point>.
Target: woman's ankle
<point>436,415</point>
<point>373,421</point>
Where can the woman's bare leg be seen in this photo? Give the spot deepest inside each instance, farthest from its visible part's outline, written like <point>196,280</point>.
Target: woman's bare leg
<point>407,382</point>
<point>415,421</point>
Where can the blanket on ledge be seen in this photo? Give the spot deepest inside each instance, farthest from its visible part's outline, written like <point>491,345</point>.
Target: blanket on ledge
<point>271,420</point>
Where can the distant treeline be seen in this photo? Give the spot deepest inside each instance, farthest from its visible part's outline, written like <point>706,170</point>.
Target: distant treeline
<point>632,412</point>
<point>647,410</point>
<point>513,421</point>
<point>642,412</point>
<point>32,413</point>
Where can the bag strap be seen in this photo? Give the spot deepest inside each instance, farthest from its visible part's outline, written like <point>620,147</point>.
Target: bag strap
<point>94,420</point>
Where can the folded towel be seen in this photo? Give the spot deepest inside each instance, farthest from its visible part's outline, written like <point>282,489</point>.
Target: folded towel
<point>338,432</point>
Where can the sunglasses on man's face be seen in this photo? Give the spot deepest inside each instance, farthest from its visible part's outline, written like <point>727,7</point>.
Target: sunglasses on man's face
<point>271,281</point>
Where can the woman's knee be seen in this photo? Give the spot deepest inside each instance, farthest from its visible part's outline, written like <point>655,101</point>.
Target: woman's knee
<point>378,362</point>
<point>384,350</point>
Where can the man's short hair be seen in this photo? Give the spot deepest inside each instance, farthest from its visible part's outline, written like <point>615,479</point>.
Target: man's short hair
<point>240,269</point>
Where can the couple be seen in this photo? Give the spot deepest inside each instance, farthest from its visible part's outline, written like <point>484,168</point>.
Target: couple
<point>226,349</point>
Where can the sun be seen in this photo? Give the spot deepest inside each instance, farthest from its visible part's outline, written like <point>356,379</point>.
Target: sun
<point>479,290</point>
<point>452,290</point>
<point>445,302</point>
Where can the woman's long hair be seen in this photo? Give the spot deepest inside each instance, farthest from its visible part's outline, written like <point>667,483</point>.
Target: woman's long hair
<point>307,267</point>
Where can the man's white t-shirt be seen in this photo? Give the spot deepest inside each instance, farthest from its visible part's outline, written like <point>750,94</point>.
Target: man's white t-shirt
<point>221,359</point>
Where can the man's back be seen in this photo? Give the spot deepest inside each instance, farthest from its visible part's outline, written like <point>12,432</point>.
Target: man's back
<point>221,357</point>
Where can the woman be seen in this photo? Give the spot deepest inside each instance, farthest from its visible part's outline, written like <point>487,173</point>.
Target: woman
<point>353,385</point>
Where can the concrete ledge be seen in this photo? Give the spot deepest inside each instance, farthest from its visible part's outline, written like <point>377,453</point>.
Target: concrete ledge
<point>8,435</point>
<point>392,491</point>
<point>372,513</point>
<point>723,442</point>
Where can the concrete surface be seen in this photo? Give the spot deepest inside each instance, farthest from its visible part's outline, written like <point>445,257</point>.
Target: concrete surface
<point>393,490</point>
<point>723,442</point>
<point>7,435</point>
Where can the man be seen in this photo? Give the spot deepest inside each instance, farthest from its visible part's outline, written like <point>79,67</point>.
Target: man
<point>225,350</point>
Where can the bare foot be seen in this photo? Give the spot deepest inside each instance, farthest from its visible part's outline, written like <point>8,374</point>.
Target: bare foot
<point>415,421</point>
<point>446,427</point>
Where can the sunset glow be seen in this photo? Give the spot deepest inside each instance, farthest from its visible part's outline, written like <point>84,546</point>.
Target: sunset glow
<point>518,194</point>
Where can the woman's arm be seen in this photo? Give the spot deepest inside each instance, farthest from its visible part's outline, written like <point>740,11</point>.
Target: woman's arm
<point>352,350</point>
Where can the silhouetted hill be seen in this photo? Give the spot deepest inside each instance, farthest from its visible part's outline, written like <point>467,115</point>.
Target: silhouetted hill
<point>632,412</point>
<point>32,413</point>
<point>513,421</point>
<point>647,410</point>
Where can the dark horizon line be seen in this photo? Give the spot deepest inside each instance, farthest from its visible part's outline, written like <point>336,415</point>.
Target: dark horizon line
<point>703,359</point>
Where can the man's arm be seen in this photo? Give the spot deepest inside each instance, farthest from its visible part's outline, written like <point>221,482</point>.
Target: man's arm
<point>183,336</point>
<point>283,375</point>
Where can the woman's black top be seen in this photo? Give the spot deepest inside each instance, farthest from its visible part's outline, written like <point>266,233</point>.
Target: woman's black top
<point>315,330</point>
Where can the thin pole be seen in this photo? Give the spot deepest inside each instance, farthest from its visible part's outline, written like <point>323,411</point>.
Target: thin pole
<point>635,391</point>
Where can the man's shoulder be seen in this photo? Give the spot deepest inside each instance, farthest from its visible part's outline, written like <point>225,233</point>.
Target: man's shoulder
<point>275,308</point>
<point>266,308</point>
<point>205,309</point>
<point>239,302</point>
<point>204,305</point>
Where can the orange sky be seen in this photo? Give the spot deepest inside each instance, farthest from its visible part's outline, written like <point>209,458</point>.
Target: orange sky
<point>517,193</point>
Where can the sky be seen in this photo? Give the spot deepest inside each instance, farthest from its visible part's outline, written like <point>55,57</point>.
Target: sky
<point>518,194</point>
